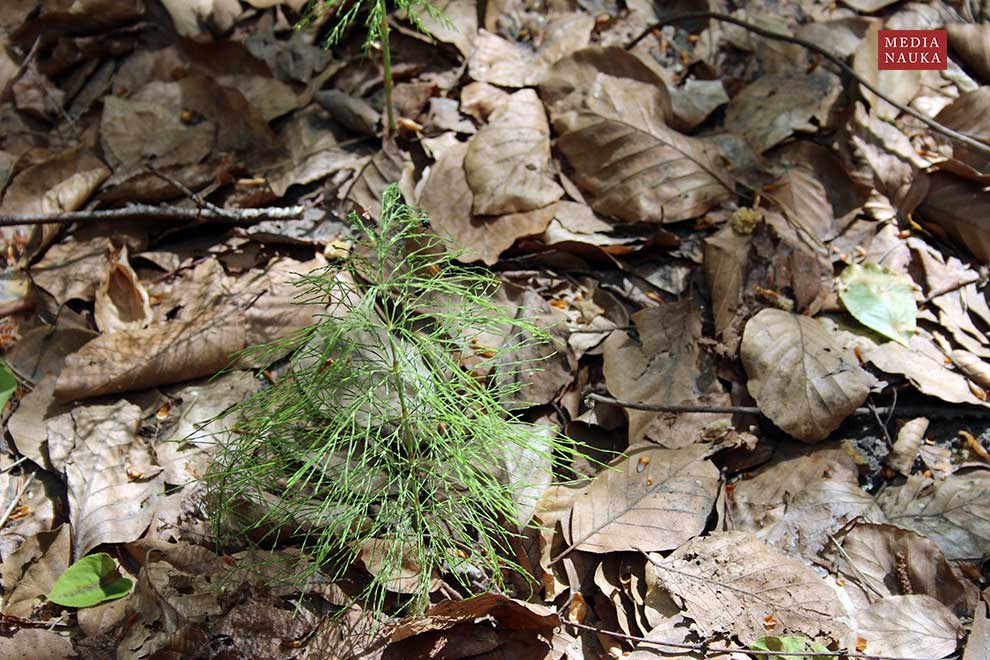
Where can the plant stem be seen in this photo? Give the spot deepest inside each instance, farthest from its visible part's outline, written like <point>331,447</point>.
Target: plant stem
<point>387,65</point>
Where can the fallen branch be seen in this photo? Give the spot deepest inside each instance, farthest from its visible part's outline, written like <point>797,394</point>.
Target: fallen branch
<point>139,211</point>
<point>707,649</point>
<point>834,59</point>
<point>936,412</point>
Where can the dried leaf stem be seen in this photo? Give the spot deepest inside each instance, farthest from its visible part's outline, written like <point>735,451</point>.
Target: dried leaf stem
<point>938,412</point>
<point>834,59</point>
<point>142,211</point>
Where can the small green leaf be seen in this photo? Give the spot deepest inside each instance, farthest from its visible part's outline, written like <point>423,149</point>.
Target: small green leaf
<point>8,384</point>
<point>796,645</point>
<point>880,300</point>
<point>90,581</point>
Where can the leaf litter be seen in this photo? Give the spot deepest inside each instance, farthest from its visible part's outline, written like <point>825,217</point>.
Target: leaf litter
<point>812,261</point>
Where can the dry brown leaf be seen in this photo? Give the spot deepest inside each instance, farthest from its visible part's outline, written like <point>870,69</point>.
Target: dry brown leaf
<point>695,100</point>
<point>969,114</point>
<point>501,62</point>
<point>449,200</point>
<point>111,478</point>
<point>72,193</point>
<point>905,450</point>
<point>796,503</point>
<point>577,73</point>
<point>148,128</point>
<point>122,302</point>
<point>632,165</point>
<point>30,572</point>
<point>771,108</point>
<point>652,500</point>
<point>971,41</point>
<point>28,190</point>
<point>272,98</point>
<point>730,582</point>
<point>661,367</point>
<point>726,257</point>
<point>914,625</point>
<point>195,18</point>
<point>961,209</point>
<point>978,642</point>
<point>883,560</point>
<point>800,377</point>
<point>349,111</point>
<point>954,513</point>
<point>161,354</point>
<point>461,27</point>
<point>507,164</point>
<point>891,156</point>
<point>398,562</point>
<point>480,100</point>
<point>899,85</point>
<point>924,365</point>
<point>39,643</point>
<point>72,270</point>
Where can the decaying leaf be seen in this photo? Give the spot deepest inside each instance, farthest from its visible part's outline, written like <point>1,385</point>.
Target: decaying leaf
<point>905,449</point>
<point>651,500</point>
<point>31,571</point>
<point>800,377</point>
<point>729,583</point>
<point>122,301</point>
<point>961,208</point>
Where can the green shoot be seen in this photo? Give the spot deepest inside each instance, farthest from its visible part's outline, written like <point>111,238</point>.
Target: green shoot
<point>386,429</point>
<point>346,13</point>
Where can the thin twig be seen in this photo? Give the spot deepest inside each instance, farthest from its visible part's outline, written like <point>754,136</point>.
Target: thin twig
<point>708,649</point>
<point>140,211</point>
<point>894,411</point>
<point>834,59</point>
<point>17,498</point>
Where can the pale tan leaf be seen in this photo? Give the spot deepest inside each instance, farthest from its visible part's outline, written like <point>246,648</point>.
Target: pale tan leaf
<point>915,625</point>
<point>122,302</point>
<point>27,191</point>
<point>111,480</point>
<point>399,563</point>
<point>695,100</point>
<point>954,513</point>
<point>661,367</point>
<point>507,164</point>
<point>40,643</point>
<point>978,642</point>
<point>652,500</point>
<point>800,377</point>
<point>272,98</point>
<point>905,449</point>
<point>480,100</point>
<point>973,367</point>
<point>632,165</point>
<point>72,270</point>
<point>72,193</point>
<point>459,30</point>
<point>731,583</point>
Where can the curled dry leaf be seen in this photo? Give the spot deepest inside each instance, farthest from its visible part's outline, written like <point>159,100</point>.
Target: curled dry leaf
<point>912,625</point>
<point>651,500</point>
<point>954,513</point>
<point>800,377</point>
<point>730,583</point>
<point>507,164</point>
<point>122,302</point>
<point>905,449</point>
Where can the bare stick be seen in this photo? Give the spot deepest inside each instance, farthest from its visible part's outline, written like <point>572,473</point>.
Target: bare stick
<point>895,411</point>
<point>834,59</point>
<point>139,211</point>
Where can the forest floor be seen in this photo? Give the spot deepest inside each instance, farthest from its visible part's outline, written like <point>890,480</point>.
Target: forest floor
<point>705,217</point>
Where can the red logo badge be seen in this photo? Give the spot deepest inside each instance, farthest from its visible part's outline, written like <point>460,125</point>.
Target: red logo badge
<point>912,50</point>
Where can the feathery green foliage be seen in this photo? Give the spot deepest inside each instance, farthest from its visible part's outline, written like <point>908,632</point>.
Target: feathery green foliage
<point>387,431</point>
<point>345,13</point>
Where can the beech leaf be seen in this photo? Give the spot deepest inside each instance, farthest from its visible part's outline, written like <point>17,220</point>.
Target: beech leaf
<point>800,377</point>
<point>90,581</point>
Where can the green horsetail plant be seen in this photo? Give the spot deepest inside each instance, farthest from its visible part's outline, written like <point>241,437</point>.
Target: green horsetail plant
<point>385,436</point>
<point>346,13</point>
